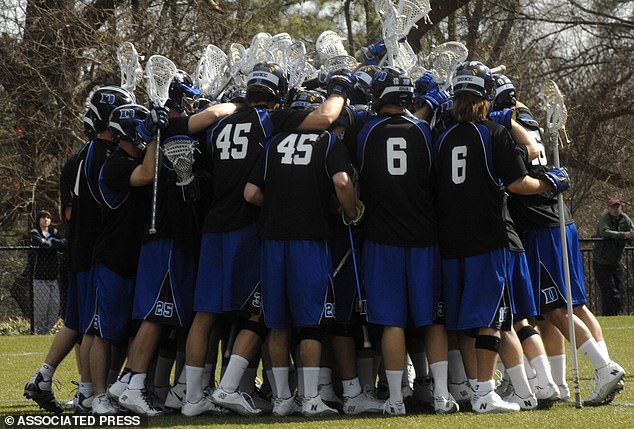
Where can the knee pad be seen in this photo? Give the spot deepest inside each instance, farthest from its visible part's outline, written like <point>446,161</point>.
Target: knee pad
<point>487,342</point>
<point>526,332</point>
<point>310,333</point>
<point>256,327</point>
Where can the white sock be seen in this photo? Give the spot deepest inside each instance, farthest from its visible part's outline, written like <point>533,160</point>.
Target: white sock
<point>365,371</point>
<point>325,375</point>
<point>137,381</point>
<point>456,371</point>
<point>517,374</point>
<point>604,347</point>
<point>235,370</point>
<point>394,378</point>
<point>594,353</point>
<point>439,373</point>
<point>194,383</point>
<point>311,375</point>
<point>271,379</point>
<point>247,382</point>
<point>530,371</point>
<point>280,375</point>
<point>421,364</point>
<point>483,387</point>
<point>558,368</point>
<point>47,371</point>
<point>542,369</point>
<point>207,374</point>
<point>163,371</point>
<point>86,389</point>
<point>299,376</point>
<point>182,377</point>
<point>351,387</point>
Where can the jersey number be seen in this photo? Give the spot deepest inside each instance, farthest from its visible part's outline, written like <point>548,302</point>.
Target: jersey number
<point>396,156</point>
<point>164,309</point>
<point>459,164</point>
<point>297,149</point>
<point>232,142</point>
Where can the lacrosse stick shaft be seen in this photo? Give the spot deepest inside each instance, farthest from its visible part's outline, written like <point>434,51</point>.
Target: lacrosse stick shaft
<point>499,69</point>
<point>341,263</point>
<point>157,156</point>
<point>366,338</point>
<point>564,251</point>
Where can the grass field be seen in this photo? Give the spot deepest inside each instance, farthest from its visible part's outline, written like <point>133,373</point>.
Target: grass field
<point>20,356</point>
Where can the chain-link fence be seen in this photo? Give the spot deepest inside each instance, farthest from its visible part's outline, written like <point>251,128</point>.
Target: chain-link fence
<point>33,284</point>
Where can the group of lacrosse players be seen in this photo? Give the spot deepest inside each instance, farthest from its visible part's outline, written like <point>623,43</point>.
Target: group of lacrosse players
<point>369,239</point>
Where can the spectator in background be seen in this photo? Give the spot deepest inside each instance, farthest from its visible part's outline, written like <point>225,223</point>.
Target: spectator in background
<point>45,273</point>
<point>614,227</point>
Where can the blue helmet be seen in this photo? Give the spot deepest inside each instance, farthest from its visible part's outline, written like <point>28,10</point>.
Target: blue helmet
<point>101,103</point>
<point>504,92</point>
<point>182,93</point>
<point>392,85</point>
<point>473,77</point>
<point>123,122</point>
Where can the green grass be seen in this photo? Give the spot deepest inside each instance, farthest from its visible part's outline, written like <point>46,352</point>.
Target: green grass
<point>20,356</point>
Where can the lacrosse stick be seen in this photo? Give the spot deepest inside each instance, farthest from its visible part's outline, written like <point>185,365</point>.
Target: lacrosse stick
<point>296,64</point>
<point>339,62</point>
<point>258,52</point>
<point>210,68</point>
<point>131,70</point>
<point>329,45</point>
<point>556,115</point>
<point>366,337</point>
<point>396,23</point>
<point>179,150</point>
<point>160,73</point>
<point>443,61</point>
<point>280,49</point>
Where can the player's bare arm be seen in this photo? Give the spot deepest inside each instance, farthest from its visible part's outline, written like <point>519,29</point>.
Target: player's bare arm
<point>144,174</point>
<point>202,120</point>
<point>344,189</point>
<point>253,194</point>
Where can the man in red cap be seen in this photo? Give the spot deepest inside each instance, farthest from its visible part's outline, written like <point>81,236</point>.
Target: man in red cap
<point>614,227</point>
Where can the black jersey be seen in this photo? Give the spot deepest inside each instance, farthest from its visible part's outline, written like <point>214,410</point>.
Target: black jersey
<point>515,243</point>
<point>125,207</point>
<point>472,161</point>
<point>295,173</point>
<point>394,156</point>
<point>85,223</point>
<point>234,144</point>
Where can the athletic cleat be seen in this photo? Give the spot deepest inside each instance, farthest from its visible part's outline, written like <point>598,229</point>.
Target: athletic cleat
<point>176,396</point>
<point>443,405</point>
<point>116,389</point>
<point>492,403</point>
<point>608,382</point>
<point>394,409</point>
<point>191,409</point>
<point>382,390</point>
<point>139,401</point>
<point>238,402</point>
<point>314,407</point>
<point>547,395</point>
<point>461,392</point>
<point>328,395</point>
<point>505,388</point>
<point>526,404</point>
<point>160,394</point>
<point>83,404</point>
<point>261,401</point>
<point>102,406</point>
<point>423,391</point>
<point>364,402</point>
<point>407,392</point>
<point>285,407</point>
<point>564,393</point>
<point>40,391</point>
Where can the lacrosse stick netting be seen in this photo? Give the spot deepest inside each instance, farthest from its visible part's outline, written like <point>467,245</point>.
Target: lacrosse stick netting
<point>131,70</point>
<point>179,150</point>
<point>329,45</point>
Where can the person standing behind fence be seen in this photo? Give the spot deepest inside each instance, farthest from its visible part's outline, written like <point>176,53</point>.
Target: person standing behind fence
<point>45,273</point>
<point>614,227</point>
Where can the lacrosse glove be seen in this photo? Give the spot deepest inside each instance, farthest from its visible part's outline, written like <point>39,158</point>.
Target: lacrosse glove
<point>341,82</point>
<point>372,54</point>
<point>360,207</point>
<point>157,118</point>
<point>435,98</point>
<point>558,179</point>
<point>424,84</point>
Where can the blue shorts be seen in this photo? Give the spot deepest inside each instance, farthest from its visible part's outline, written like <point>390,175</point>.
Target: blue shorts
<point>113,307</point>
<point>71,314</point>
<point>520,285</point>
<point>544,255</point>
<point>295,276</point>
<point>165,283</point>
<point>86,298</point>
<point>476,292</point>
<point>401,278</point>
<point>228,271</point>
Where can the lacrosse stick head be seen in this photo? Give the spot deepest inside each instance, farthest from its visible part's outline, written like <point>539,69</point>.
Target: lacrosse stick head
<point>279,48</point>
<point>409,13</point>
<point>100,104</point>
<point>258,52</point>
<point>556,112</point>
<point>339,62</point>
<point>385,10</point>
<point>329,45</point>
<point>404,57</point>
<point>443,61</point>
<point>296,64</point>
<point>123,122</point>
<point>179,151</point>
<point>473,77</point>
<point>267,82</point>
<point>211,67</point>
<point>160,72</point>
<point>128,60</point>
<point>504,93</point>
<point>391,85</point>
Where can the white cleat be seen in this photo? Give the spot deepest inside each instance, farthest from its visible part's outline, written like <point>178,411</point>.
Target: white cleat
<point>191,409</point>
<point>443,405</point>
<point>238,402</point>
<point>526,404</point>
<point>462,392</point>
<point>139,401</point>
<point>394,409</point>
<point>116,389</point>
<point>364,402</point>
<point>608,382</point>
<point>328,395</point>
<point>102,406</point>
<point>564,393</point>
<point>492,403</point>
<point>314,407</point>
<point>547,395</point>
<point>176,396</point>
<point>285,407</point>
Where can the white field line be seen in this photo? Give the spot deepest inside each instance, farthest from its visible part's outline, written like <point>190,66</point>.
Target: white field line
<point>20,354</point>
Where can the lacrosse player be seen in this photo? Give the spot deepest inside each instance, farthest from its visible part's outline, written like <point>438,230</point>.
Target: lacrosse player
<point>165,276</point>
<point>472,159</point>
<point>84,226</point>
<point>537,218</point>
